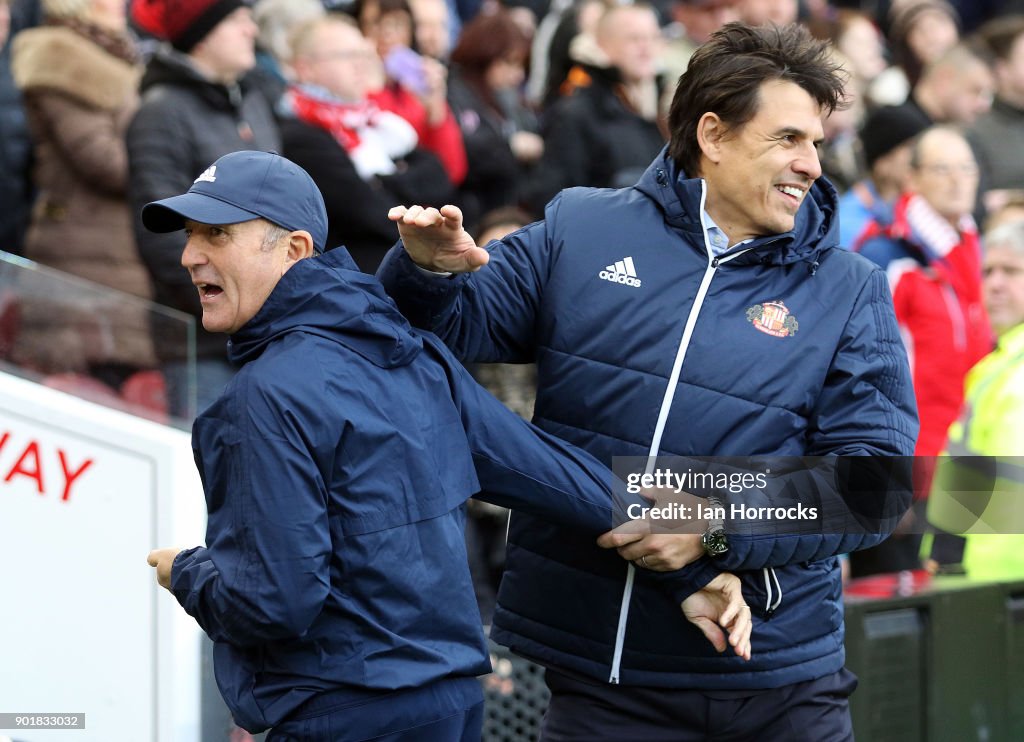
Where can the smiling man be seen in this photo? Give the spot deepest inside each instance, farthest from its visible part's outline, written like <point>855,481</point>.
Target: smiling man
<point>334,581</point>
<point>705,311</point>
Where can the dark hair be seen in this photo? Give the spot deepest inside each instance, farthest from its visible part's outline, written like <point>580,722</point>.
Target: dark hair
<point>903,18</point>
<point>726,73</point>
<point>1000,35</point>
<point>383,8</point>
<point>500,217</point>
<point>488,38</point>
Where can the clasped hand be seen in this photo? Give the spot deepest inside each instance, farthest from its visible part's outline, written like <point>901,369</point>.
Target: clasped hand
<point>718,605</point>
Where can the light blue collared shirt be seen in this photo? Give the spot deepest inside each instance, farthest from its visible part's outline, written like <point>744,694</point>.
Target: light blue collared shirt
<point>715,237</point>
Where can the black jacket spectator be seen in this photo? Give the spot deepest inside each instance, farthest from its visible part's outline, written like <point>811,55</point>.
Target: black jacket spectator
<point>185,123</point>
<point>594,138</point>
<point>357,210</point>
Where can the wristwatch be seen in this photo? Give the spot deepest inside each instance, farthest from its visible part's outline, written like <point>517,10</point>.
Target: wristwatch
<point>714,540</point>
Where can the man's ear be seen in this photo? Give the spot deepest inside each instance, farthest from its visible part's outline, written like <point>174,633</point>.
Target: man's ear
<point>711,131</point>
<point>300,247</point>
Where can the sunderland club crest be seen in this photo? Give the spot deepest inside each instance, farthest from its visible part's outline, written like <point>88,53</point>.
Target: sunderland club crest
<point>773,318</point>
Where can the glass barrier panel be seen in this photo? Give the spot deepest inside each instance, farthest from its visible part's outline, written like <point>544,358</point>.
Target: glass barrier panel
<point>96,342</point>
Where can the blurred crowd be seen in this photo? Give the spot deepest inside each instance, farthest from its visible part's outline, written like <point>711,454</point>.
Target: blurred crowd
<point>496,105</point>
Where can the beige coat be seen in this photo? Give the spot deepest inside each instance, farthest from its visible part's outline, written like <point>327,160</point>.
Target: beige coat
<point>80,99</point>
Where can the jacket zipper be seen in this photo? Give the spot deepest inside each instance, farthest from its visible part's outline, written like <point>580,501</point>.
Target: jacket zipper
<point>956,317</point>
<point>659,428</point>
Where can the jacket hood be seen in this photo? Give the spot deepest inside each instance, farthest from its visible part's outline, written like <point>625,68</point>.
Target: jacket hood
<point>171,67</point>
<point>328,296</point>
<point>57,58</point>
<point>679,197</point>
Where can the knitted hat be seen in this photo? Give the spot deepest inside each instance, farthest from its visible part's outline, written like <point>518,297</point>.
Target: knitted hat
<point>184,23</point>
<point>65,8</point>
<point>887,128</point>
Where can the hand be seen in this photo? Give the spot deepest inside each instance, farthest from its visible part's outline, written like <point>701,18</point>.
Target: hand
<point>526,146</point>
<point>436,240</point>
<point>435,98</point>
<point>659,552</point>
<point>162,559</point>
<point>718,605</point>
<point>661,544</point>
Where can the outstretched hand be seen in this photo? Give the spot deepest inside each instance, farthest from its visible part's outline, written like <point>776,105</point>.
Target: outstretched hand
<point>719,605</point>
<point>436,240</point>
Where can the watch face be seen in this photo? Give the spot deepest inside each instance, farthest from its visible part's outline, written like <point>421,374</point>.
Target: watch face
<point>715,542</point>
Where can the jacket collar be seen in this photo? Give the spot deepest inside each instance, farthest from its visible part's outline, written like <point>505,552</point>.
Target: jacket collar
<point>680,199</point>
<point>329,297</point>
<point>171,67</point>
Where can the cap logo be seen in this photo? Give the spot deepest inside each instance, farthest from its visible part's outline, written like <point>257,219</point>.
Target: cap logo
<point>209,175</point>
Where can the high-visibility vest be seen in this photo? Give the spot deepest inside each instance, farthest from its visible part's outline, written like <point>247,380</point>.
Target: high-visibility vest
<point>978,488</point>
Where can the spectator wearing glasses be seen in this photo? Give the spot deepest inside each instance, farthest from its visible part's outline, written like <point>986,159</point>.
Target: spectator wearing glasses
<point>361,157</point>
<point>932,256</point>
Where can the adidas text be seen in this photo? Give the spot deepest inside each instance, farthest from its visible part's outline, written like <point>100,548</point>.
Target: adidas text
<point>623,271</point>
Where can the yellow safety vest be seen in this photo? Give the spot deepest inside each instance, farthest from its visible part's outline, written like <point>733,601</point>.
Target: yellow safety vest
<point>979,486</point>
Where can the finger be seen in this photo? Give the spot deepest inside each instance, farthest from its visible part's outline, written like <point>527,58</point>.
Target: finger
<point>711,632</point>
<point>477,258</point>
<point>739,637</point>
<point>628,532</point>
<point>429,218</point>
<point>452,215</point>
<point>736,602</point>
<point>739,628</point>
<point>412,213</point>
<point>396,213</point>
<point>616,538</point>
<point>636,551</point>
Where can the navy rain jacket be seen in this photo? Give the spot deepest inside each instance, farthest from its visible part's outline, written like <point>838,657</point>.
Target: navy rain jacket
<point>335,468</point>
<point>646,344</point>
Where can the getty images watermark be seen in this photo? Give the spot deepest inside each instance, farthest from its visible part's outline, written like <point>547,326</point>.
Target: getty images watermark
<point>672,484</point>
<point>763,495</point>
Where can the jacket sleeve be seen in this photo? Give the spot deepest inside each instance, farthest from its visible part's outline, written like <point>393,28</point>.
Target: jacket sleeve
<point>522,467</point>
<point>264,575</point>
<point>488,316</point>
<point>864,425</point>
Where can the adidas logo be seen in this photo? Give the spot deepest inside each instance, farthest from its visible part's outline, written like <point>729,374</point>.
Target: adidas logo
<point>209,175</point>
<point>622,271</point>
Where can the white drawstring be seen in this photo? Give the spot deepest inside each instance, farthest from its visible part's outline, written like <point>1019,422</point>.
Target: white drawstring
<point>769,606</point>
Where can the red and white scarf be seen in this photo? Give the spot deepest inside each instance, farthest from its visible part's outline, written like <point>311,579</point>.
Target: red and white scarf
<point>372,137</point>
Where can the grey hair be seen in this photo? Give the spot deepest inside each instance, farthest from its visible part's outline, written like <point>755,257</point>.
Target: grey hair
<point>278,18</point>
<point>272,236</point>
<point>1010,234</point>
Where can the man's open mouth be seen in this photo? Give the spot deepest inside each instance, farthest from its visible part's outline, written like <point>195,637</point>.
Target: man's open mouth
<point>209,290</point>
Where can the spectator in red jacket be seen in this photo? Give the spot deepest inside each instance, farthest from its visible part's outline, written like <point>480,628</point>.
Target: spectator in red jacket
<point>416,87</point>
<point>932,256</point>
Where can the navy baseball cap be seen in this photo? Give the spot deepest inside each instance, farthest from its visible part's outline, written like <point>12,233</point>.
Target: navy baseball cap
<point>243,186</point>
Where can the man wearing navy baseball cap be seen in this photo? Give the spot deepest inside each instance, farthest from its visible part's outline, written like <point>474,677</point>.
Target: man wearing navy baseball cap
<point>334,581</point>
